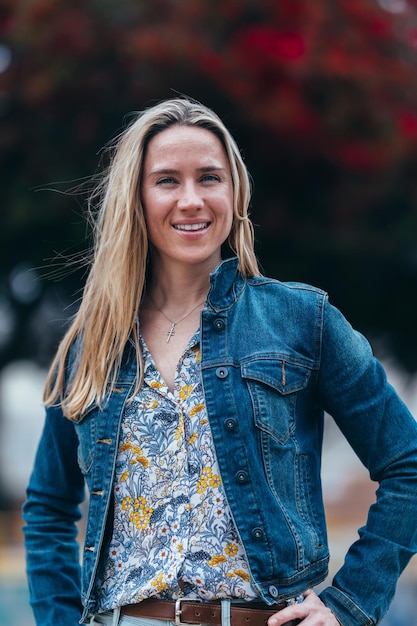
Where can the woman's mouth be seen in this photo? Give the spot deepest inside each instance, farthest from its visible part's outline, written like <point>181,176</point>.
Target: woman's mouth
<point>191,227</point>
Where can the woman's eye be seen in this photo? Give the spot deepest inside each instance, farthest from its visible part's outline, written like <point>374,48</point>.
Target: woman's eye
<point>210,178</point>
<point>165,181</point>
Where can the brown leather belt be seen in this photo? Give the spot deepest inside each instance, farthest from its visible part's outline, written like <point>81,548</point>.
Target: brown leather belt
<point>194,612</point>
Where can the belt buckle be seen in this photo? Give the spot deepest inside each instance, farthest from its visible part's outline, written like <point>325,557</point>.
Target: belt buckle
<point>178,609</point>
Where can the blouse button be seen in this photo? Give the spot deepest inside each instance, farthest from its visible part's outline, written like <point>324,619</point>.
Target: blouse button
<point>222,372</point>
<point>218,324</point>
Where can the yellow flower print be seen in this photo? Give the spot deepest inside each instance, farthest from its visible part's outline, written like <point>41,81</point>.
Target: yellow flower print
<point>202,422</point>
<point>154,404</point>
<point>125,446</point>
<point>180,429</point>
<point>202,483</point>
<point>242,574</point>
<point>140,503</point>
<point>197,353</point>
<point>143,460</point>
<point>155,384</point>
<point>124,476</point>
<point>136,450</point>
<point>214,481</point>
<point>158,583</point>
<point>196,409</point>
<point>231,549</point>
<point>127,503</point>
<point>192,438</point>
<point>206,473</point>
<point>186,391</point>
<point>141,518</point>
<point>180,548</point>
<point>142,515</point>
<point>203,480</point>
<point>216,560</point>
<point>207,478</point>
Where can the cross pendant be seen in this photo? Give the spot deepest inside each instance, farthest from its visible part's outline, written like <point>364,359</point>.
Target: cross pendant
<point>171,331</point>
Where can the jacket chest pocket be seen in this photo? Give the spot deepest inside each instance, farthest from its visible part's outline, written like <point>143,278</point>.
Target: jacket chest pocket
<point>274,386</point>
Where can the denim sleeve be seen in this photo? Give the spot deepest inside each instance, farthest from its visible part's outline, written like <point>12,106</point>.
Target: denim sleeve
<point>50,513</point>
<point>354,390</point>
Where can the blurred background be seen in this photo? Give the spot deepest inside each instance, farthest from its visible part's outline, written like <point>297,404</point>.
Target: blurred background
<point>321,96</point>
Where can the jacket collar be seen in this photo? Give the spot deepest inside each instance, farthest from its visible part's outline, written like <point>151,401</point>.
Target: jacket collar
<point>226,285</point>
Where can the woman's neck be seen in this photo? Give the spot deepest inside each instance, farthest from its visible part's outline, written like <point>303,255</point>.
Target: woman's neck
<point>178,287</point>
<point>178,295</point>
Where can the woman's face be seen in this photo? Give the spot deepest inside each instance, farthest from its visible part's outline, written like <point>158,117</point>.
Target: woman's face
<point>187,195</point>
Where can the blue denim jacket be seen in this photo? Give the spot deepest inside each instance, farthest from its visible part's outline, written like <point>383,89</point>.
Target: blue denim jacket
<point>275,356</point>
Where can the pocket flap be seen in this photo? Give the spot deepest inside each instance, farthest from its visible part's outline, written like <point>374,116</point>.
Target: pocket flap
<point>283,375</point>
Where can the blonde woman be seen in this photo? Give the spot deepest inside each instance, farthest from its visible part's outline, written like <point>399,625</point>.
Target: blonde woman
<point>188,395</point>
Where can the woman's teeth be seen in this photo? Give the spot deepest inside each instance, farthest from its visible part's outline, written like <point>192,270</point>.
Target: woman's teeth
<point>191,226</point>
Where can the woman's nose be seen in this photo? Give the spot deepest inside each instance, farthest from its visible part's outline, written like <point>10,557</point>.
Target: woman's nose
<point>190,197</point>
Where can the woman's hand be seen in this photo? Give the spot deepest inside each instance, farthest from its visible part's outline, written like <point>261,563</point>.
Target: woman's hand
<point>311,612</point>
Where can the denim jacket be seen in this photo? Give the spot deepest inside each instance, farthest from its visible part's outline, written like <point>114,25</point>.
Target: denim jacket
<point>275,356</point>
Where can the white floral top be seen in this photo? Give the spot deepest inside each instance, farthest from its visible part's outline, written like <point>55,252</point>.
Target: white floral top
<point>171,518</point>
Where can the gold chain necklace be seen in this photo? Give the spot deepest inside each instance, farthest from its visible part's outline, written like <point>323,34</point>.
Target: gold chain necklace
<point>173,324</point>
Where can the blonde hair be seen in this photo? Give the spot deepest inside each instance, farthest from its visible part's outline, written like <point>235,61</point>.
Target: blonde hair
<point>116,282</point>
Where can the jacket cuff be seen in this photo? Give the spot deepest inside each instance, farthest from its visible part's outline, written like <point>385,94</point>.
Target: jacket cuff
<point>344,609</point>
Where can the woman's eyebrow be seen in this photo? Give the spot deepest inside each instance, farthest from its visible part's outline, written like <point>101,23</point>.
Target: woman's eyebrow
<point>211,168</point>
<point>164,170</point>
<point>169,170</point>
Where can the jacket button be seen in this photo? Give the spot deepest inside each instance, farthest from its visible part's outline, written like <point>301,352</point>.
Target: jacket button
<point>222,372</point>
<point>90,548</point>
<point>257,534</point>
<point>273,591</point>
<point>241,476</point>
<point>230,424</point>
<point>218,324</point>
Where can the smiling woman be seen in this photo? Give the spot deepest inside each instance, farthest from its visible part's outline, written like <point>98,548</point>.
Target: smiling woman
<point>187,195</point>
<point>189,395</point>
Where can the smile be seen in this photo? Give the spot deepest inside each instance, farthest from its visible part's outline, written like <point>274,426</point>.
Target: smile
<point>192,226</point>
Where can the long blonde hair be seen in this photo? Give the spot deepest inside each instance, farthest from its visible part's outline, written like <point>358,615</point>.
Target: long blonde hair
<point>116,281</point>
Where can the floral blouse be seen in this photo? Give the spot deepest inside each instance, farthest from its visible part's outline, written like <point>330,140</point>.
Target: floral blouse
<point>171,519</point>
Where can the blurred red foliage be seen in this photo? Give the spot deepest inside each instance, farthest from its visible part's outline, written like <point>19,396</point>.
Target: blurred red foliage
<point>269,58</point>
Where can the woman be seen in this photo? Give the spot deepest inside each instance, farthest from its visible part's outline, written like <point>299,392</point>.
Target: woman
<point>189,395</point>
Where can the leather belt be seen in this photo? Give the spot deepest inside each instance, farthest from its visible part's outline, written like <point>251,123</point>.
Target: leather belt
<point>185,611</point>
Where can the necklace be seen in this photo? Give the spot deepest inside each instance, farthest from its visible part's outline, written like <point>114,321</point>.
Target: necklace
<point>173,324</point>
